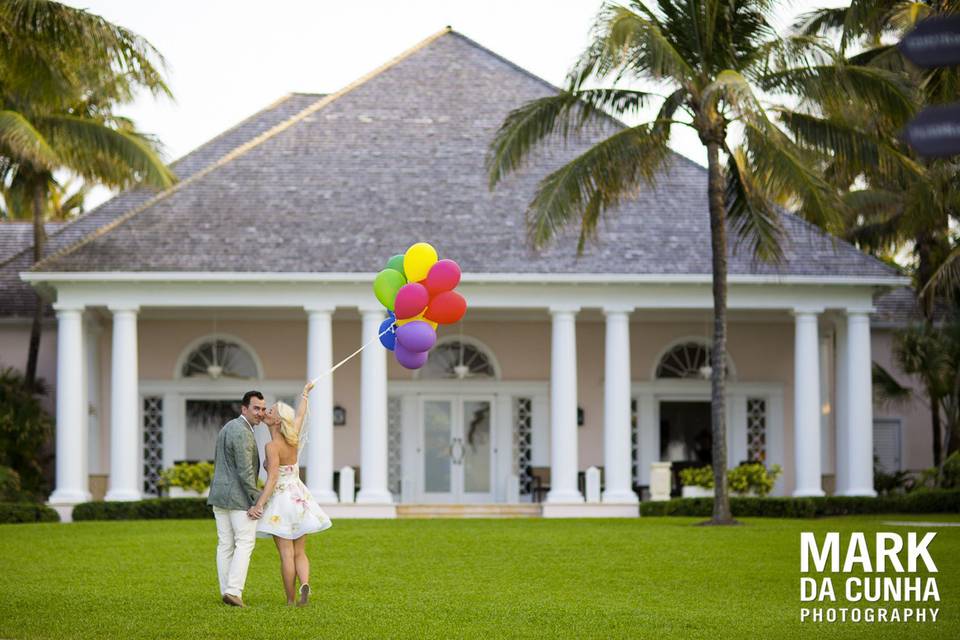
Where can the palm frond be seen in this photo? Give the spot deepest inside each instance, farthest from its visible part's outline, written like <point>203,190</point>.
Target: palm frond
<point>753,217</point>
<point>629,40</point>
<point>886,389</point>
<point>82,45</point>
<point>784,168</point>
<point>97,152</point>
<point>945,280</point>
<point>880,89</point>
<point>858,150</point>
<point>590,184</point>
<point>560,115</point>
<point>20,139</point>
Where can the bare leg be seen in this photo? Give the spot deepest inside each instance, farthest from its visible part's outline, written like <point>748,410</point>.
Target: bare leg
<point>301,560</point>
<point>287,566</point>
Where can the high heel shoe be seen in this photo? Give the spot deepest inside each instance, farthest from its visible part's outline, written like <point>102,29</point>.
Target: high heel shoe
<point>304,595</point>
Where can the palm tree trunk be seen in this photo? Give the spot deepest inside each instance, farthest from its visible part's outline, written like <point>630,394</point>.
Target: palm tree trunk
<point>937,428</point>
<point>39,243</point>
<point>718,240</point>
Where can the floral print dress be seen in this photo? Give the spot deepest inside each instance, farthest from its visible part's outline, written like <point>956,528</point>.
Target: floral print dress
<point>291,511</point>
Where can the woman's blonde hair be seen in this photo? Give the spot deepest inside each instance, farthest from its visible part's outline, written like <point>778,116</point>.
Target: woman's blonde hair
<point>287,427</point>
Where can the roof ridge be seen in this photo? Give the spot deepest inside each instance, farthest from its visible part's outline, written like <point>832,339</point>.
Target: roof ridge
<point>237,151</point>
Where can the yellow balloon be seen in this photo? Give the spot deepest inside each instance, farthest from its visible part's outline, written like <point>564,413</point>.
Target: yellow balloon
<point>417,261</point>
<point>400,323</point>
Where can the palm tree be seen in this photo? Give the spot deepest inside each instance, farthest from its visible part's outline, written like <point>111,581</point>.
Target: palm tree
<point>712,59</point>
<point>894,200</point>
<point>66,200</point>
<point>62,70</point>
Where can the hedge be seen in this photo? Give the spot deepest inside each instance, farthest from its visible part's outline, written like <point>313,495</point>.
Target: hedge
<point>921,501</point>
<point>15,512</point>
<point>155,509</point>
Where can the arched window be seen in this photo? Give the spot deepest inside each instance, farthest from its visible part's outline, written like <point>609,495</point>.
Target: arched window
<point>689,360</point>
<point>220,357</point>
<point>458,359</point>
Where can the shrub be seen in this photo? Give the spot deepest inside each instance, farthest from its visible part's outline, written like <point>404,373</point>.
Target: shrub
<point>18,512</point>
<point>25,431</point>
<point>741,479</point>
<point>921,501</point>
<point>753,477</point>
<point>155,509</point>
<point>194,477</point>
<point>697,477</point>
<point>9,485</point>
<point>950,479</point>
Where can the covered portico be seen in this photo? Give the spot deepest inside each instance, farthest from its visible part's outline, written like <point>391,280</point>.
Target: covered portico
<point>815,305</point>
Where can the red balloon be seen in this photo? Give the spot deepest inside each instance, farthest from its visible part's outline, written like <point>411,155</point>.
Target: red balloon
<point>411,300</point>
<point>446,307</point>
<point>444,275</point>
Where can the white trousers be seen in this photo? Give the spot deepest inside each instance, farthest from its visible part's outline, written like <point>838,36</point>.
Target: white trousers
<point>236,537</point>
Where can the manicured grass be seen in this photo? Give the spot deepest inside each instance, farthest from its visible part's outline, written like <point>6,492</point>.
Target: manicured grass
<point>651,577</point>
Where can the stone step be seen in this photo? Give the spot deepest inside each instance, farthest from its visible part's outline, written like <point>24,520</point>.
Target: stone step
<point>468,511</point>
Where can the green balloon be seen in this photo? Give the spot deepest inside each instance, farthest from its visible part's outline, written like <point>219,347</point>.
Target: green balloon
<point>386,285</point>
<point>396,263</point>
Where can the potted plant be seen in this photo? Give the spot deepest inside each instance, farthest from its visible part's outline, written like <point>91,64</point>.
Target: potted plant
<point>697,482</point>
<point>753,479</point>
<point>184,480</point>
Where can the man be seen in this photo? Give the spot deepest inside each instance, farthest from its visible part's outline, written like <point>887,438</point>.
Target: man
<point>233,494</point>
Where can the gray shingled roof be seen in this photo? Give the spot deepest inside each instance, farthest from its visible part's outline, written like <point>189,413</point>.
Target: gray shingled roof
<point>399,158</point>
<point>16,235</point>
<point>900,308</point>
<point>16,249</point>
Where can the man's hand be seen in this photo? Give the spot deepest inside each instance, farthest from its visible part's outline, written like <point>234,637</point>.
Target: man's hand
<point>255,512</point>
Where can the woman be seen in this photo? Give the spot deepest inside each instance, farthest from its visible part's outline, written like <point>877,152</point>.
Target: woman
<point>289,511</point>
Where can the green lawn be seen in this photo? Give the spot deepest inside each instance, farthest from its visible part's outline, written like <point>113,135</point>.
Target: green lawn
<point>651,577</point>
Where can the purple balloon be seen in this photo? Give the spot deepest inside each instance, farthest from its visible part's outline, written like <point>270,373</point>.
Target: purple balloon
<point>416,336</point>
<point>410,359</point>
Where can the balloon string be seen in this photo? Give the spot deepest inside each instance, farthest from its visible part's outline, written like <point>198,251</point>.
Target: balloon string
<point>337,366</point>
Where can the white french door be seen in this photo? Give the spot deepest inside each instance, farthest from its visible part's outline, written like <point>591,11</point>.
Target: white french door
<point>456,459</point>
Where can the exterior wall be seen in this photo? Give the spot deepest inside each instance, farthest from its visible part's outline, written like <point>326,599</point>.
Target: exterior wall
<point>521,348</point>
<point>916,436</point>
<point>14,343</point>
<point>761,352</point>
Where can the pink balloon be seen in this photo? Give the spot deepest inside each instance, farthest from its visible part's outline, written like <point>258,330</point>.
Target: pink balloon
<point>444,275</point>
<point>411,300</point>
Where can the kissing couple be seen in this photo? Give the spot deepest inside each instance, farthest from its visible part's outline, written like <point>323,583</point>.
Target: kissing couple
<point>284,509</point>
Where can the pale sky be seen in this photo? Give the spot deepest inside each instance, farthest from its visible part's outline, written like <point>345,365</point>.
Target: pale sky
<point>227,59</point>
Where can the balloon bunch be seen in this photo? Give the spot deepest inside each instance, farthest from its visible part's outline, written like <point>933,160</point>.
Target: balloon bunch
<point>417,290</point>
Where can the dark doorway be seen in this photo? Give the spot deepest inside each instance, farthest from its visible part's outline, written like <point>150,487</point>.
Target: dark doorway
<point>685,437</point>
<point>204,421</point>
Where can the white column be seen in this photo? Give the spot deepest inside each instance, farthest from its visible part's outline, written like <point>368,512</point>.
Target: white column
<point>841,413</point>
<point>124,413</point>
<point>319,447</point>
<point>648,436</point>
<point>71,449</point>
<point>616,408</point>
<point>373,414</point>
<point>806,404</point>
<point>563,407</point>
<point>92,350</point>
<point>859,405</point>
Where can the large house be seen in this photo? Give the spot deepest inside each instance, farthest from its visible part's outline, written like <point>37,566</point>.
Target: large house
<point>255,271</point>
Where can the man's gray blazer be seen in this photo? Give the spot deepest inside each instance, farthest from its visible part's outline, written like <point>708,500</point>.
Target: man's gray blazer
<point>236,464</point>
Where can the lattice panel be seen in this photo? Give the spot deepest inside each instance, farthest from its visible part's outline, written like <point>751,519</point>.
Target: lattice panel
<point>756,429</point>
<point>395,446</point>
<point>523,443</point>
<point>152,443</point>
